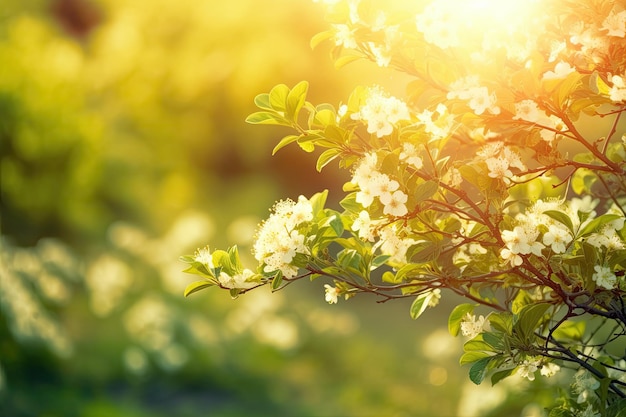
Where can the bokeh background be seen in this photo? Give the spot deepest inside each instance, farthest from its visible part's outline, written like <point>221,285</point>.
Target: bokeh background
<point>123,146</point>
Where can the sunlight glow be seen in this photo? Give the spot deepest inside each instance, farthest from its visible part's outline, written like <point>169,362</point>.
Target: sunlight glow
<point>483,23</point>
<point>494,13</point>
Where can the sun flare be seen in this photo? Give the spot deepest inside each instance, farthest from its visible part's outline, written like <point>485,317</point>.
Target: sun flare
<point>463,23</point>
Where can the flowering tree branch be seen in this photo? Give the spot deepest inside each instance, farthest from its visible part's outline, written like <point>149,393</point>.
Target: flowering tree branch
<point>467,185</point>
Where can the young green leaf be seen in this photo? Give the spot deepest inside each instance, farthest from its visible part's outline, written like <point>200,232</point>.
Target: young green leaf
<point>267,118</point>
<point>420,304</point>
<point>530,317</point>
<point>295,100</point>
<point>478,371</point>
<point>197,286</point>
<point>456,317</point>
<point>561,217</point>
<point>278,97</point>
<point>326,157</point>
<point>284,142</point>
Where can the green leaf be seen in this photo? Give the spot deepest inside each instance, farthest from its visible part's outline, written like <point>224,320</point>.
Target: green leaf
<point>336,224</point>
<point>530,316</point>
<point>502,322</point>
<point>278,97</point>
<point>320,37</point>
<point>500,375</point>
<point>222,258</point>
<point>456,317</point>
<point>267,118</point>
<point>477,344</point>
<point>420,304</point>
<point>188,259</point>
<point>325,117</point>
<point>493,340</point>
<point>603,87</point>
<point>233,254</point>
<point>284,142</point>
<point>326,157</point>
<point>571,330</point>
<point>380,260</point>
<point>350,259</point>
<point>345,60</point>
<point>409,270</point>
<point>473,356</point>
<point>561,217</point>
<point>277,281</point>
<point>349,204</point>
<point>618,408</point>
<point>597,223</point>
<point>318,201</point>
<point>262,101</point>
<point>560,412</point>
<point>307,146</point>
<point>197,286</point>
<point>425,191</point>
<point>295,100</point>
<point>390,277</point>
<point>478,371</point>
<point>582,180</point>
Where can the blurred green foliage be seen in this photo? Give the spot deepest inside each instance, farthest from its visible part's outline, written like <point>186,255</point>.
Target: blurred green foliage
<point>122,138</point>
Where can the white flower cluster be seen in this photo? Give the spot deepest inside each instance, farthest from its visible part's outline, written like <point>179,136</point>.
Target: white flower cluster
<point>500,159</point>
<point>435,23</point>
<point>615,24</point>
<point>439,123</point>
<point>374,184</point>
<point>529,111</point>
<point>529,366</point>
<point>381,112</point>
<point>478,97</point>
<point>393,244</point>
<point>604,277</point>
<point>411,156</point>
<point>561,70</point>
<point>617,93</point>
<point>278,239</point>
<point>365,226</point>
<point>524,238</point>
<point>472,326</point>
<point>242,281</point>
<point>584,385</point>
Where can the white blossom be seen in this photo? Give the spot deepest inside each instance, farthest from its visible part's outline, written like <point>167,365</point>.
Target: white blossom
<point>617,92</point>
<point>278,241</point>
<point>204,256</point>
<point>478,97</point>
<point>584,385</point>
<point>331,294</point>
<point>395,203</point>
<point>528,368</point>
<point>344,36</point>
<point>604,277</point>
<point>411,155</point>
<point>549,369</point>
<point>615,24</point>
<point>381,112</point>
<point>471,326</point>
<point>365,226</point>
<point>561,70</point>
<point>557,237</point>
<point>240,281</point>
